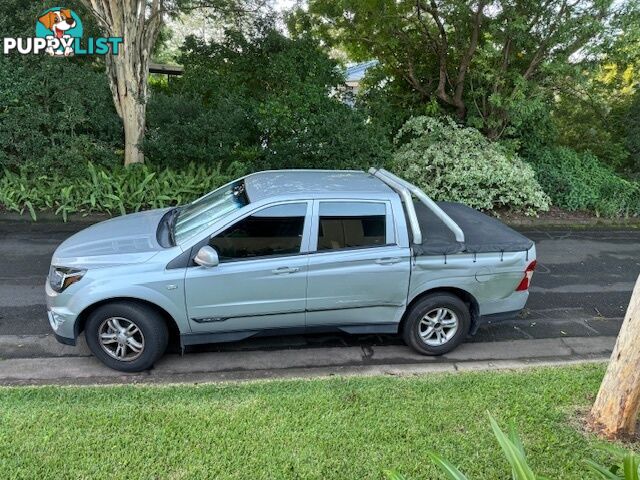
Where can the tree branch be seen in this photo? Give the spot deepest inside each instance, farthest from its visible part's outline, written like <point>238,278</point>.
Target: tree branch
<point>443,49</point>
<point>468,55</point>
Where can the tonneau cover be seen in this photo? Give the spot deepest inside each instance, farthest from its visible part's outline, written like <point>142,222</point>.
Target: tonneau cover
<point>482,233</point>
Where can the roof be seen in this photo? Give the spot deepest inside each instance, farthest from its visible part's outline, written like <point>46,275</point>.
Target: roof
<point>282,182</point>
<point>356,71</point>
<point>166,69</point>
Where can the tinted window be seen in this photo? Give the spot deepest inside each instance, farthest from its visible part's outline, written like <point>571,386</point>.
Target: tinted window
<point>348,225</point>
<point>272,231</point>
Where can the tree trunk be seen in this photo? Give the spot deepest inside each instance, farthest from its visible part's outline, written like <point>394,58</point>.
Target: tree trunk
<point>138,23</point>
<point>128,75</point>
<point>133,119</point>
<point>615,412</point>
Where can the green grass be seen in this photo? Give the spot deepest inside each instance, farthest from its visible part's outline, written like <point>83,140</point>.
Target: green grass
<point>347,428</point>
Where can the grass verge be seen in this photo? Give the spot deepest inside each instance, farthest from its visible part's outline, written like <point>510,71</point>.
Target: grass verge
<point>329,428</point>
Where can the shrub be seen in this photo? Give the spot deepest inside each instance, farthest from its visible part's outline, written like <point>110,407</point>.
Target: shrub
<point>261,98</point>
<point>54,115</point>
<point>459,164</point>
<point>579,181</point>
<point>112,191</point>
<point>182,129</point>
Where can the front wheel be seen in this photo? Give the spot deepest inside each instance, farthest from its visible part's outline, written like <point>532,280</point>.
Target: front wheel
<point>437,324</point>
<point>126,336</point>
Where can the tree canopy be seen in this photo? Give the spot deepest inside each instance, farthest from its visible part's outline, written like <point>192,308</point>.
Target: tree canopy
<point>490,64</point>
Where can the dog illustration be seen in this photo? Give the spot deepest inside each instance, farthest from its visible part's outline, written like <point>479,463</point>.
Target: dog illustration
<point>59,21</point>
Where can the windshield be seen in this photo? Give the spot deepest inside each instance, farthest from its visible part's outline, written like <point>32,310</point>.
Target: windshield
<point>202,213</point>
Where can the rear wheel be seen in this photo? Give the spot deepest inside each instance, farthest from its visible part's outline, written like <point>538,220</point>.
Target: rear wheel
<point>126,336</point>
<point>437,324</point>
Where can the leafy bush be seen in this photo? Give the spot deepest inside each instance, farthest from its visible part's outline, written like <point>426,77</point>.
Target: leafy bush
<point>579,181</point>
<point>54,115</point>
<point>111,191</point>
<point>263,99</point>
<point>459,164</point>
<point>182,130</point>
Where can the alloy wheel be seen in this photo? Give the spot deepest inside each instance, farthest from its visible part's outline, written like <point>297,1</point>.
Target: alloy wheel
<point>438,326</point>
<point>121,339</point>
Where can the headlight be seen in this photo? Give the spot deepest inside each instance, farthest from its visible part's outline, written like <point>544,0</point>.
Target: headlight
<point>61,277</point>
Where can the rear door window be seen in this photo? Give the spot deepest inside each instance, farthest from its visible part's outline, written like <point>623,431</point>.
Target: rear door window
<point>351,225</point>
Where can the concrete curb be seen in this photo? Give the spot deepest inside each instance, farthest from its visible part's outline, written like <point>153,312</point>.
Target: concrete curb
<point>310,362</point>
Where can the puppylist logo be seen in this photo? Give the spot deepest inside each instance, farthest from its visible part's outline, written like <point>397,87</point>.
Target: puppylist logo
<point>59,33</point>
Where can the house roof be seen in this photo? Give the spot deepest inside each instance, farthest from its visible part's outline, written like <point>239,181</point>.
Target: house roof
<point>355,71</point>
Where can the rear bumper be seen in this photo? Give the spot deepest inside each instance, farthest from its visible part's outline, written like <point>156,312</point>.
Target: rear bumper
<point>499,317</point>
<point>493,318</point>
<point>500,310</point>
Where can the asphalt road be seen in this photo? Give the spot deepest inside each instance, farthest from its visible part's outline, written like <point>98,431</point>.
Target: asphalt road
<point>580,289</point>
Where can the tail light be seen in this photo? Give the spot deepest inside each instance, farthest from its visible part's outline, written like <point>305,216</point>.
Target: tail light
<point>528,273</point>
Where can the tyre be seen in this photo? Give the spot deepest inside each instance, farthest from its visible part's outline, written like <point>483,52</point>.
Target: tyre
<point>126,336</point>
<point>437,324</point>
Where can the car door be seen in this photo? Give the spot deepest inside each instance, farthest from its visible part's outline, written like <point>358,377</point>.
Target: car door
<point>358,274</point>
<point>260,282</point>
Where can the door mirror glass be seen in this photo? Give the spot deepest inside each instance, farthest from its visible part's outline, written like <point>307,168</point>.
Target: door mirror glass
<point>207,257</point>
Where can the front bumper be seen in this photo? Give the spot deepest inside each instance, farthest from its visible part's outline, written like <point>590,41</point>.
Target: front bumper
<point>61,319</point>
<point>65,340</point>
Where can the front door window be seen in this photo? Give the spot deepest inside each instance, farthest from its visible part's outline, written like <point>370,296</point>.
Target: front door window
<point>272,231</point>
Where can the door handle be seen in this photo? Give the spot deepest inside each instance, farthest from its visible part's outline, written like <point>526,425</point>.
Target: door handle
<point>387,260</point>
<point>283,270</point>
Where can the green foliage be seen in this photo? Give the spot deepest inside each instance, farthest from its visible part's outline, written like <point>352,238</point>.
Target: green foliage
<point>592,113</point>
<point>56,114</point>
<point>263,99</point>
<point>450,471</point>
<point>459,164</point>
<point>514,452</point>
<point>627,466</point>
<point>257,98</point>
<point>112,191</point>
<point>512,448</point>
<point>496,69</point>
<point>632,132</point>
<point>388,103</point>
<point>579,181</point>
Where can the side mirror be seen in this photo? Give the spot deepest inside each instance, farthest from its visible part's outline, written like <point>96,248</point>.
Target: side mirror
<point>207,257</point>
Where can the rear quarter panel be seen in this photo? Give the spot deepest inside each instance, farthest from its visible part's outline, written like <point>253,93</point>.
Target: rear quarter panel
<point>491,278</point>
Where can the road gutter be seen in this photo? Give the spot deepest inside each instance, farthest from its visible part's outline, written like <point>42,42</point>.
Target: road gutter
<point>310,363</point>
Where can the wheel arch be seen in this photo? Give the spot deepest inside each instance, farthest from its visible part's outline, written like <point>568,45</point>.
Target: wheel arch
<point>465,296</point>
<point>172,326</point>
